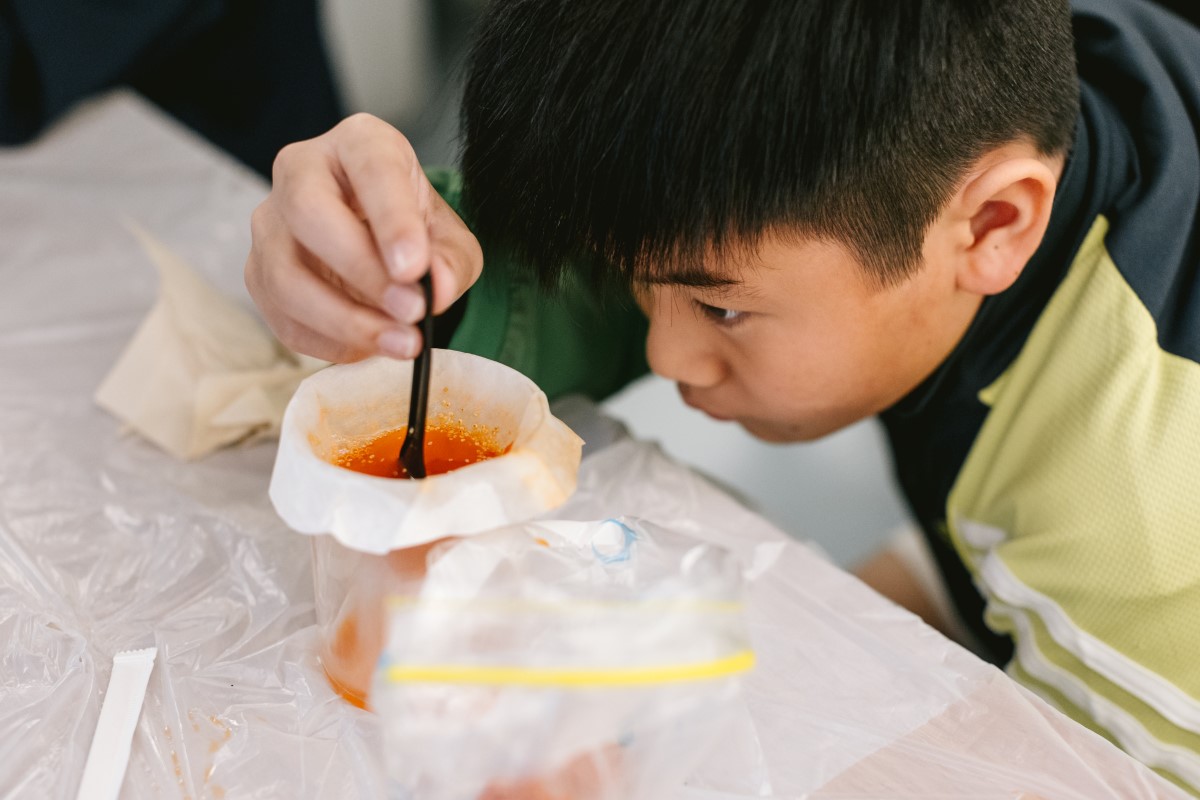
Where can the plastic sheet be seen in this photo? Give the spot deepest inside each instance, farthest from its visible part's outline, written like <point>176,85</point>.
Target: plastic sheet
<point>108,544</point>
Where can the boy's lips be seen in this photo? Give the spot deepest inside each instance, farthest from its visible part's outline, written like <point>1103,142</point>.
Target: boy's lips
<point>684,392</point>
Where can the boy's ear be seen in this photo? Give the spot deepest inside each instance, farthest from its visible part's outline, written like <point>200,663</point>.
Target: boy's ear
<point>1002,212</point>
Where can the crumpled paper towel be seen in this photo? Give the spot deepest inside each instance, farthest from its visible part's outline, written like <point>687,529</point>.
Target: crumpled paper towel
<point>201,372</point>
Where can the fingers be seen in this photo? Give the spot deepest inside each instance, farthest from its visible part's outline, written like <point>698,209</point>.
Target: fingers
<point>413,227</point>
<point>386,181</point>
<point>350,226</point>
<point>314,211</point>
<point>457,257</point>
<point>309,313</point>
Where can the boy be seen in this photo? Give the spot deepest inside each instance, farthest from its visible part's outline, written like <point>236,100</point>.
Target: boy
<point>830,209</point>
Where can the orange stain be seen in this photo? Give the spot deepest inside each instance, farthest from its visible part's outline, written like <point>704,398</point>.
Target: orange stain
<point>351,696</point>
<point>346,658</point>
<point>352,649</point>
<point>447,447</point>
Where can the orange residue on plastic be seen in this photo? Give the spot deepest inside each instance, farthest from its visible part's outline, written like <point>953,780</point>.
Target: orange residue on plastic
<point>447,447</point>
<point>354,642</point>
<point>345,649</point>
<point>349,695</point>
<point>226,731</point>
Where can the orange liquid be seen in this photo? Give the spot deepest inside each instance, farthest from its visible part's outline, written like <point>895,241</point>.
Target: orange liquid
<point>447,447</point>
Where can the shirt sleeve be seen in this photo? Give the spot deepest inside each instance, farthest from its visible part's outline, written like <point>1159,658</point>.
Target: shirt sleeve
<point>569,341</point>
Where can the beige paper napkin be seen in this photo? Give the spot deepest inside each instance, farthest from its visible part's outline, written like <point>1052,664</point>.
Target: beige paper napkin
<point>201,372</point>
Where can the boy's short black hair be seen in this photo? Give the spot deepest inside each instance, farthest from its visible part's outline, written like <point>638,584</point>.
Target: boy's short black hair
<point>630,136</point>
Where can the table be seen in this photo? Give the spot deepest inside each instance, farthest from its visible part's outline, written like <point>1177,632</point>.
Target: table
<point>108,544</point>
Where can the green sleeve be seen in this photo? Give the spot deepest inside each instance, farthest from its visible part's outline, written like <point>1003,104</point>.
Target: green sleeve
<point>567,342</point>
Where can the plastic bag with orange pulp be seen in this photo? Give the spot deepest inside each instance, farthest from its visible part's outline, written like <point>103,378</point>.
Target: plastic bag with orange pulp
<point>555,660</point>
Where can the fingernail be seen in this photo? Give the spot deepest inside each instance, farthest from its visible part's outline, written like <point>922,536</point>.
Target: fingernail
<point>404,303</point>
<point>403,261</point>
<point>399,343</point>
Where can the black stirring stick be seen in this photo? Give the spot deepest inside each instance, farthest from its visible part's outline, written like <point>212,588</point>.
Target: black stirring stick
<point>412,452</point>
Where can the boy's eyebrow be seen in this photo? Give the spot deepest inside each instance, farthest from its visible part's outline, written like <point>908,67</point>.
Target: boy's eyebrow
<point>694,277</point>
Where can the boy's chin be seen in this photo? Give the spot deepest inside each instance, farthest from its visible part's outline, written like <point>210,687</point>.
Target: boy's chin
<point>787,432</point>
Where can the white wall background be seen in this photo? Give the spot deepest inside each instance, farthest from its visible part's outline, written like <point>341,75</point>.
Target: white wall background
<point>394,61</point>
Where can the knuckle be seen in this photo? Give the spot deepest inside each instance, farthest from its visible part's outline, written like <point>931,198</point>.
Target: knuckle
<point>301,208</point>
<point>361,330</point>
<point>370,143</point>
<point>368,275</point>
<point>360,119</point>
<point>259,222</point>
<point>266,282</point>
<point>250,276</point>
<point>285,160</point>
<point>365,123</point>
<point>474,256</point>
<point>288,333</point>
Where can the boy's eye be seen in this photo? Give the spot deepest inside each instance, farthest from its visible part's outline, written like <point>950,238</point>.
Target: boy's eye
<point>721,316</point>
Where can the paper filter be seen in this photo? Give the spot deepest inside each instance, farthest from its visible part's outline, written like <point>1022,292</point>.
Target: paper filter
<point>344,406</point>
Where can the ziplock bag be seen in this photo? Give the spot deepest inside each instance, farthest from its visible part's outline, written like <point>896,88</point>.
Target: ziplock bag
<point>591,661</point>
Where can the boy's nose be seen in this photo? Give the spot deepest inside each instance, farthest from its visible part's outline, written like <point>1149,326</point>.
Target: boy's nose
<point>680,354</point>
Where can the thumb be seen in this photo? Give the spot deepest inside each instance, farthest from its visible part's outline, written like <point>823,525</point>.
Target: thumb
<point>456,257</point>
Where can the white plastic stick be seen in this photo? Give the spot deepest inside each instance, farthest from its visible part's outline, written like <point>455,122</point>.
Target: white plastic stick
<point>109,755</point>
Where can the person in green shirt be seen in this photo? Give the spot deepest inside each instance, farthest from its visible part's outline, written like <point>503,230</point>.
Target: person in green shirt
<point>979,221</point>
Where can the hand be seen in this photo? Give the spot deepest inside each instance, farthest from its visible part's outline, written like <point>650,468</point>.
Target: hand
<point>350,226</point>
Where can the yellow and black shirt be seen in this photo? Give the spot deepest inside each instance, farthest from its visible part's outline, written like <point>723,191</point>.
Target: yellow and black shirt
<point>1054,459</point>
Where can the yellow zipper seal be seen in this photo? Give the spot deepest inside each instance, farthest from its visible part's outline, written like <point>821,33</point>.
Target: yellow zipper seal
<point>569,678</point>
